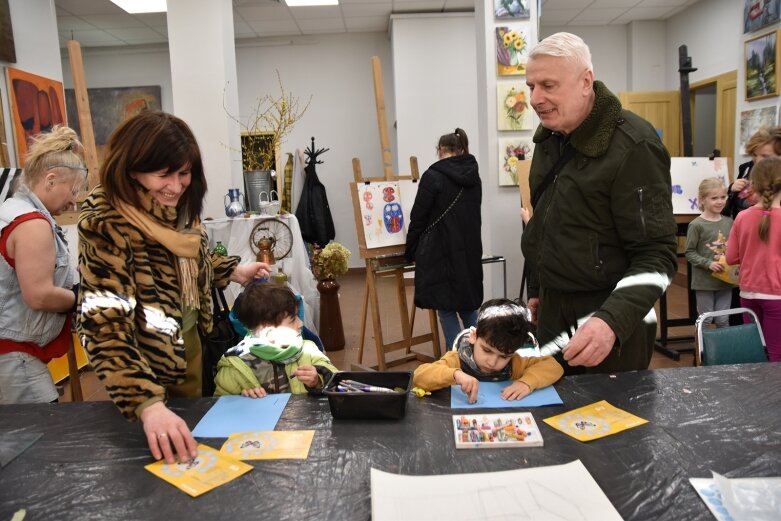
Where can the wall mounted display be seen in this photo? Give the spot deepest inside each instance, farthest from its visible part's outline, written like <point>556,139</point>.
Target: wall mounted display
<point>515,159</point>
<point>37,104</point>
<point>7,48</point>
<point>518,9</point>
<point>512,106</point>
<point>511,50</point>
<point>753,120</point>
<point>110,106</point>
<point>762,66</point>
<point>759,13</point>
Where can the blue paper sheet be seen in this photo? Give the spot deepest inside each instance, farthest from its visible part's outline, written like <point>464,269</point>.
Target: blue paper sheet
<point>489,396</point>
<point>241,414</point>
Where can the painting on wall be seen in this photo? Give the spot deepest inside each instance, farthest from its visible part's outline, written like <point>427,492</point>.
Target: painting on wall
<point>753,120</point>
<point>518,9</point>
<point>5,158</point>
<point>762,66</point>
<point>759,13</point>
<point>37,104</point>
<point>515,159</point>
<point>512,50</point>
<point>111,106</point>
<point>512,106</point>
<point>7,48</point>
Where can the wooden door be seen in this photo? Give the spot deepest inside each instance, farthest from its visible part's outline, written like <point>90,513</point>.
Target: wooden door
<point>663,110</point>
<point>726,101</point>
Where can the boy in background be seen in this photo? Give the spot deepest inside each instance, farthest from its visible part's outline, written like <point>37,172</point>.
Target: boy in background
<point>487,353</point>
<point>273,357</point>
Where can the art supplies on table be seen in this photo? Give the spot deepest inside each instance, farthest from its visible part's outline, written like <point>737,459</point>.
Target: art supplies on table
<point>555,492</point>
<point>496,431</point>
<point>233,414</point>
<point>594,421</point>
<point>368,395</point>
<point>208,470</point>
<point>740,499</point>
<point>268,445</point>
<point>489,395</point>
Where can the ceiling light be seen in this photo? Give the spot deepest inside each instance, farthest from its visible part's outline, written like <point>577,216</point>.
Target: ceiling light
<point>302,3</point>
<point>141,6</point>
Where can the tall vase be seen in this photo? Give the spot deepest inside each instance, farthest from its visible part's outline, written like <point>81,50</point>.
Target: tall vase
<point>331,329</point>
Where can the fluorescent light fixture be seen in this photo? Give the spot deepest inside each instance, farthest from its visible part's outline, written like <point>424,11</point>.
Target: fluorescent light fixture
<point>141,6</point>
<point>303,3</point>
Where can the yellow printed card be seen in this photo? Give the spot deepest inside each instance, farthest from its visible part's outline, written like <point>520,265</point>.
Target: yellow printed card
<point>207,471</point>
<point>268,445</point>
<point>594,421</point>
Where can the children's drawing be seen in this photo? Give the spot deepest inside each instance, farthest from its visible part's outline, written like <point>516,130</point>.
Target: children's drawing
<point>515,159</point>
<point>686,174</point>
<point>513,110</point>
<point>385,211</point>
<point>511,50</point>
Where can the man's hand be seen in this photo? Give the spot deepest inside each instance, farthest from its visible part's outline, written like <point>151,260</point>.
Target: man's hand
<point>167,433</point>
<point>469,385</point>
<point>590,344</point>
<point>515,391</point>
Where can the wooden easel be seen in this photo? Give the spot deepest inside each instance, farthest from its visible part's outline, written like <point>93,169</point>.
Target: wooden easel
<point>387,261</point>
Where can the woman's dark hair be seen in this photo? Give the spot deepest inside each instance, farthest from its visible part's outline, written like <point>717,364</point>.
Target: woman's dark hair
<point>455,143</point>
<point>502,324</point>
<point>149,142</point>
<point>264,303</point>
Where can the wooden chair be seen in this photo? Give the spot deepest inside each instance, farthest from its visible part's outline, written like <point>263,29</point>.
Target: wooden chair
<point>739,344</point>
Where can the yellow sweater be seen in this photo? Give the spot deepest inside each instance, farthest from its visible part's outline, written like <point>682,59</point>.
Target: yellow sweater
<point>534,372</point>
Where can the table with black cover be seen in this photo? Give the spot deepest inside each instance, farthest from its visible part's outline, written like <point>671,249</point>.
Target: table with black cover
<point>89,463</point>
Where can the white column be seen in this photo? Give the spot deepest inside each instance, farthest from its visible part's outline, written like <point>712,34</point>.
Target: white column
<point>203,78</point>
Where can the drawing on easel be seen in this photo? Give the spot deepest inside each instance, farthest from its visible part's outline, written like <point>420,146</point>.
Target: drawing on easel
<point>686,174</point>
<point>385,211</point>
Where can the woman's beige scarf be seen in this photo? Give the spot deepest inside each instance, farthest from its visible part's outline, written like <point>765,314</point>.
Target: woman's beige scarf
<point>185,243</point>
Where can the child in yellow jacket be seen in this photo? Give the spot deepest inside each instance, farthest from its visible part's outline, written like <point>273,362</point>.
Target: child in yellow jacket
<point>487,353</point>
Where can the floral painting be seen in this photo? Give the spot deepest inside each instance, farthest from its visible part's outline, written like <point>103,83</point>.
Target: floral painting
<point>512,49</point>
<point>515,159</point>
<point>512,9</point>
<point>753,120</point>
<point>762,66</point>
<point>513,111</point>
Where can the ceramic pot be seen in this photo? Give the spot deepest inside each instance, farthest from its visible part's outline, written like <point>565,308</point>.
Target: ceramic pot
<point>331,329</point>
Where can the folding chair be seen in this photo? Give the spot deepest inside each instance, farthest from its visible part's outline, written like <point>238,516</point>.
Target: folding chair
<point>741,344</point>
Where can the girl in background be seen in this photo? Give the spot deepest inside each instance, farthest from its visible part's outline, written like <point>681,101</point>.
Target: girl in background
<point>706,240</point>
<point>755,244</point>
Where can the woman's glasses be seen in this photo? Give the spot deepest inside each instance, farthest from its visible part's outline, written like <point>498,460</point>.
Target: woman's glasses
<point>80,185</point>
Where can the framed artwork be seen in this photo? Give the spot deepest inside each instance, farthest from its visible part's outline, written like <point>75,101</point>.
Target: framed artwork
<point>515,160</point>
<point>512,49</point>
<point>111,106</point>
<point>512,106</point>
<point>759,13</point>
<point>37,104</point>
<point>5,158</point>
<point>7,48</point>
<point>762,66</point>
<point>518,9</point>
<point>753,120</point>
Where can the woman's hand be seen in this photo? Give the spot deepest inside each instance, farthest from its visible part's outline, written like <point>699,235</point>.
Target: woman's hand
<point>245,273</point>
<point>739,185</point>
<point>167,434</point>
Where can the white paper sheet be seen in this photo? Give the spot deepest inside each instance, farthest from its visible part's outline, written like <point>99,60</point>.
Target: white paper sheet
<point>563,492</point>
<point>740,499</point>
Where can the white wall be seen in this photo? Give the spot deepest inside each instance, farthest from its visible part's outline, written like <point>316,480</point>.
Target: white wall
<point>37,46</point>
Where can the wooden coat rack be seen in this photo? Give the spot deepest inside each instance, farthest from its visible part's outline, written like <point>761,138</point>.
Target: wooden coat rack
<point>387,261</point>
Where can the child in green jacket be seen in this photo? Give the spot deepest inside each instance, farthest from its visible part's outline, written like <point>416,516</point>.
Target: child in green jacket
<point>273,357</point>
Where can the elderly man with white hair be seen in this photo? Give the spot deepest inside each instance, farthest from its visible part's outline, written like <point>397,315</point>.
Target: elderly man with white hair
<point>601,242</point>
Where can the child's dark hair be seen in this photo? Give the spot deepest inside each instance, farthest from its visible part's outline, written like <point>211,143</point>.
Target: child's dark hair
<point>455,143</point>
<point>266,304</point>
<point>766,179</point>
<point>503,325</point>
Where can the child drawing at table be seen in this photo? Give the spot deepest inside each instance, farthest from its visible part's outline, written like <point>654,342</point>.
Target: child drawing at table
<point>706,240</point>
<point>755,244</point>
<point>487,353</point>
<point>273,357</point>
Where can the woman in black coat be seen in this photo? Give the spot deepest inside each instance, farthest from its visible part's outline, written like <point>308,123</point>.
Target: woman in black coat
<point>765,142</point>
<point>443,238</point>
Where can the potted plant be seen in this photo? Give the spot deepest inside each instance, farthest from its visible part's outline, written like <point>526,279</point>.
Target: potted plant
<point>262,134</point>
<point>328,263</point>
